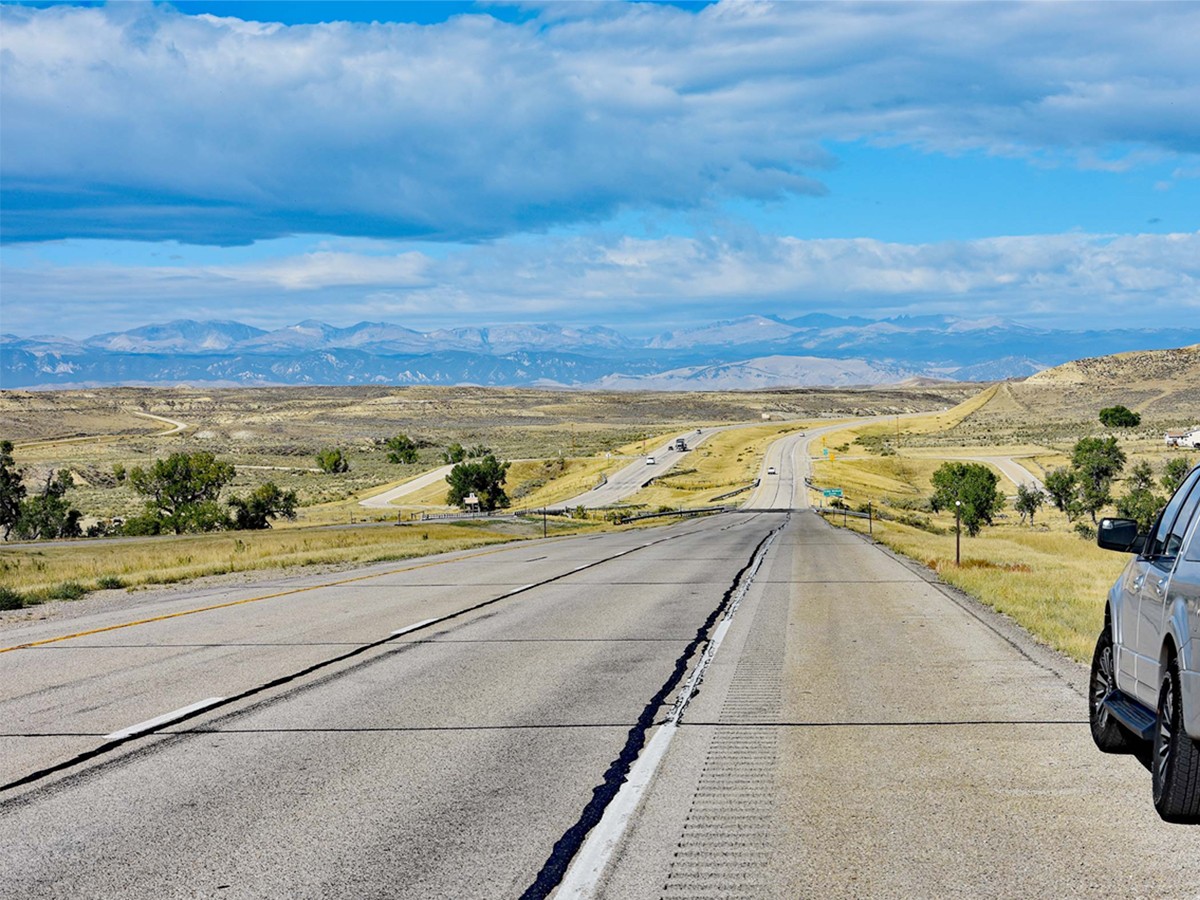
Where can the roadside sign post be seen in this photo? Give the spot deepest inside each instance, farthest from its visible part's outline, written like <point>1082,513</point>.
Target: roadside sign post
<point>543,521</point>
<point>957,533</point>
<point>870,521</point>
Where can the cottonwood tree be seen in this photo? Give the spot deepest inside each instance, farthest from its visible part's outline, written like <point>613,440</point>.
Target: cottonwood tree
<point>1095,463</point>
<point>974,486</point>
<point>332,461</point>
<point>402,449</point>
<point>1029,501</point>
<point>1064,491</point>
<point>1140,502</point>
<point>1119,417</point>
<point>1174,472</point>
<point>482,477</point>
<point>183,492</point>
<point>264,503</point>
<point>47,514</point>
<point>12,490</point>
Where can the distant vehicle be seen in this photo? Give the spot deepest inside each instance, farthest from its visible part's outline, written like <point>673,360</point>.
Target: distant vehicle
<point>680,444</point>
<point>649,460</point>
<point>771,470</point>
<point>1145,679</point>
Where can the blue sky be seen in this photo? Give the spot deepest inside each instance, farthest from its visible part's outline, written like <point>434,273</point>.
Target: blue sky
<point>644,166</point>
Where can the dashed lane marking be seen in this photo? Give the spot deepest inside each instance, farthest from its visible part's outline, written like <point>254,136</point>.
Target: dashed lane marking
<point>273,596</point>
<point>164,719</point>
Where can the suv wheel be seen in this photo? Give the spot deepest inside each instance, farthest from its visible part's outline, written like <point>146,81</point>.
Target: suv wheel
<point>1107,732</point>
<point>1176,771</point>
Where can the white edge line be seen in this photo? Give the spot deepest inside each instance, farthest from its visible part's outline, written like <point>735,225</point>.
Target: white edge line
<point>164,719</point>
<point>584,873</point>
<point>413,627</point>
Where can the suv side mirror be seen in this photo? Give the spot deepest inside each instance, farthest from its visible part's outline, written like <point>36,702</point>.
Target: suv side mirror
<point>1121,535</point>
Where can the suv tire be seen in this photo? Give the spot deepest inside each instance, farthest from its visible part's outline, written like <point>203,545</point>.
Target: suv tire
<point>1176,762</point>
<point>1109,735</point>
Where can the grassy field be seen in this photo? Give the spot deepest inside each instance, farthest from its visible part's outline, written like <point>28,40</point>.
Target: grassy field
<point>1045,576</point>
<point>725,461</point>
<point>274,433</point>
<point>1050,582</point>
<point>67,570</point>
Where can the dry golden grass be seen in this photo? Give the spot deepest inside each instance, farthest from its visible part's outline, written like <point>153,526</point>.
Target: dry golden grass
<point>1047,578</point>
<point>877,479</point>
<point>725,461</point>
<point>560,480</point>
<point>1051,583</point>
<point>274,433</point>
<point>39,571</point>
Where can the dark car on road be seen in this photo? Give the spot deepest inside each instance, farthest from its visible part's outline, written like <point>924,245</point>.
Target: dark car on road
<point>1145,680</point>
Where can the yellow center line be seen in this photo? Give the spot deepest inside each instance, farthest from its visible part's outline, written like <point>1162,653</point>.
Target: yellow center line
<point>300,590</point>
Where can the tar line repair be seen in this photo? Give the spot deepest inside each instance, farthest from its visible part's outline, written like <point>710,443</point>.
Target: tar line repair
<point>581,855</point>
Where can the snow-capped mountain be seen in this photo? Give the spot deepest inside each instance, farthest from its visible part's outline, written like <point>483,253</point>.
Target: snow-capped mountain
<point>748,352</point>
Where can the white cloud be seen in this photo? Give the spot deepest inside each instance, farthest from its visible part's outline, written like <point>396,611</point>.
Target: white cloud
<point>1065,280</point>
<point>135,121</point>
<point>326,268</point>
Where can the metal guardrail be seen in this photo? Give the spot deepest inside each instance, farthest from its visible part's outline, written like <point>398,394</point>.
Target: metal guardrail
<point>741,490</point>
<point>684,513</point>
<point>847,513</point>
<point>834,510</point>
<point>494,514</point>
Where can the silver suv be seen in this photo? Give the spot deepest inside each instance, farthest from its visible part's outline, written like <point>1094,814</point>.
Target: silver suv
<point>1145,681</point>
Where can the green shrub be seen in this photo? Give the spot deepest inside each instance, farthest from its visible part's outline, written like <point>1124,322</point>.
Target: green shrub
<point>10,599</point>
<point>109,583</point>
<point>68,590</point>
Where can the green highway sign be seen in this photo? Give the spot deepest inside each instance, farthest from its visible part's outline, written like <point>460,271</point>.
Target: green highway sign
<point>832,492</point>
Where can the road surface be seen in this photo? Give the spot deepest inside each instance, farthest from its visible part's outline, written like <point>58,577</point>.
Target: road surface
<point>626,482</point>
<point>387,498</point>
<point>484,724</point>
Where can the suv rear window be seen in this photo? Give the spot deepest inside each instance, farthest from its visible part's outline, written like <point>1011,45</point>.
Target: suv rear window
<point>1172,527</point>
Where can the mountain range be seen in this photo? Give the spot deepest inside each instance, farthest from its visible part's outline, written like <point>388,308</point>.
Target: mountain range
<point>753,351</point>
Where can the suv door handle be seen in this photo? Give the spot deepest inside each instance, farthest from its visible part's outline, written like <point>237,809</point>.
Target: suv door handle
<point>1139,581</point>
<point>1160,586</point>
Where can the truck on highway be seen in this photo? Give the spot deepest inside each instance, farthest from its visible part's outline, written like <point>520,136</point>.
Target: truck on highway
<point>680,444</point>
<point>1144,687</point>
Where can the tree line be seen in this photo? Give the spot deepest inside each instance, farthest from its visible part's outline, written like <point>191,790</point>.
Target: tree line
<point>1082,488</point>
<point>183,492</point>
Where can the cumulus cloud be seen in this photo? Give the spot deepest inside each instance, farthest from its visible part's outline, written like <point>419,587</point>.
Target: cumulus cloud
<point>136,121</point>
<point>1065,280</point>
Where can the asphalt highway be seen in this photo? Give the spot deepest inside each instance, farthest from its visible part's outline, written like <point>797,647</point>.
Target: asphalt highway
<point>748,705</point>
<point>629,480</point>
